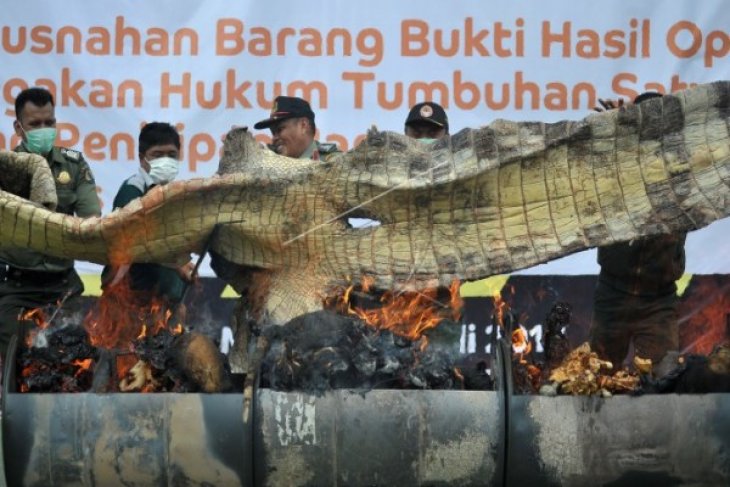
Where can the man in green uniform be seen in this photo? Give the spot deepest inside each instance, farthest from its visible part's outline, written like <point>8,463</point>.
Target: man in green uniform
<point>427,121</point>
<point>159,154</point>
<point>636,295</point>
<point>28,279</point>
<point>292,129</point>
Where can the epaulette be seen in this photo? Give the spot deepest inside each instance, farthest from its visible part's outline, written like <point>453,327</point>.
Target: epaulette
<point>71,154</point>
<point>327,147</point>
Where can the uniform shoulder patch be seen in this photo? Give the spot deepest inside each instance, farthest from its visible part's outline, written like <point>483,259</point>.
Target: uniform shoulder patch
<point>71,154</point>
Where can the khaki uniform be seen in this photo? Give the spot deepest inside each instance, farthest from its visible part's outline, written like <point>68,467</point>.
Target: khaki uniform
<point>29,279</point>
<point>636,298</point>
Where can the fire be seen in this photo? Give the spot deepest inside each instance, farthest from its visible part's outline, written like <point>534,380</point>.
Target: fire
<point>500,306</point>
<point>502,315</point>
<point>82,365</point>
<point>408,314</point>
<point>704,317</point>
<point>123,315</point>
<point>521,343</point>
<point>38,317</point>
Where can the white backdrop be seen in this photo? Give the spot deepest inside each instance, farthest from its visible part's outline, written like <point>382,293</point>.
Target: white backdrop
<point>206,66</point>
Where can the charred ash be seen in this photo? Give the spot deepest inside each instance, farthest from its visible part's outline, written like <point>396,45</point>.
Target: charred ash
<point>177,362</point>
<point>66,361</point>
<point>63,364</point>
<point>576,372</point>
<point>693,374</point>
<point>554,341</point>
<point>582,372</point>
<point>324,350</point>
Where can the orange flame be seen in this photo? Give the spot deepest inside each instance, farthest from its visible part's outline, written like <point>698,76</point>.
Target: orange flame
<point>82,365</point>
<point>521,343</point>
<point>37,316</point>
<point>124,363</point>
<point>123,315</point>
<point>500,306</point>
<point>408,314</point>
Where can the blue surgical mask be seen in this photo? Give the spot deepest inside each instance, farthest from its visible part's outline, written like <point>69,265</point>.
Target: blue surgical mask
<point>426,140</point>
<point>40,141</point>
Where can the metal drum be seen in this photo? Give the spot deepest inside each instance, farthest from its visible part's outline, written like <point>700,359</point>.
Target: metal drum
<point>122,438</point>
<point>344,437</point>
<point>661,439</point>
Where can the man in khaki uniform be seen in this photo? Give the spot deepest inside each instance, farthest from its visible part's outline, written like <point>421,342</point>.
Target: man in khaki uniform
<point>292,130</point>
<point>28,279</point>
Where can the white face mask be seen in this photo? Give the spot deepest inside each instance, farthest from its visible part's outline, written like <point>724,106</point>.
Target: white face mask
<point>163,169</point>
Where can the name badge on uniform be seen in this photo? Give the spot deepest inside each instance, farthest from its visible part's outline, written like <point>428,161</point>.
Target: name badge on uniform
<point>64,177</point>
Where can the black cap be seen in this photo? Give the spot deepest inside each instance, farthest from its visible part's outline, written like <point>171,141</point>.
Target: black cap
<point>429,112</point>
<point>286,107</point>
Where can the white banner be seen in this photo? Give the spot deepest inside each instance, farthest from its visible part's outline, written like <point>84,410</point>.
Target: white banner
<point>205,66</point>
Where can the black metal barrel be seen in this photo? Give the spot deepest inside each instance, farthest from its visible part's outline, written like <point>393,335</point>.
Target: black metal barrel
<point>660,439</point>
<point>123,439</point>
<point>384,437</point>
<point>352,438</point>
<point>344,437</point>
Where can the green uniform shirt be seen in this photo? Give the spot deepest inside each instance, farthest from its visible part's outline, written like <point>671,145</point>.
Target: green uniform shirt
<point>76,190</point>
<point>159,279</point>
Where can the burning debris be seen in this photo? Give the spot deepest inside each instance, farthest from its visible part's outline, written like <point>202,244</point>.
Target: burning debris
<point>406,340</point>
<point>554,341</point>
<point>176,362</point>
<point>577,372</point>
<point>166,362</point>
<point>697,374</point>
<point>583,373</point>
<point>323,350</point>
<point>63,364</point>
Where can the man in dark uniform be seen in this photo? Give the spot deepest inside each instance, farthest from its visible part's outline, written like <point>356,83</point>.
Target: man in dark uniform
<point>636,295</point>
<point>427,121</point>
<point>292,129</point>
<point>28,279</point>
<point>159,154</point>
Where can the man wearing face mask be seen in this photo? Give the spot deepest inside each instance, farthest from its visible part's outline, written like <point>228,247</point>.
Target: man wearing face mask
<point>292,130</point>
<point>159,154</point>
<point>28,279</point>
<point>427,121</point>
